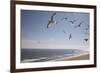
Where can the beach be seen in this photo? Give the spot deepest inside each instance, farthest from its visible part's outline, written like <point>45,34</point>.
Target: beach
<point>43,55</point>
<point>82,56</point>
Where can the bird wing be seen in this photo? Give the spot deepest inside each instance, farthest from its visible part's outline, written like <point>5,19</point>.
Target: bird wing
<point>52,17</point>
<point>81,23</point>
<point>72,21</point>
<point>51,20</point>
<point>86,40</point>
<point>48,24</point>
<point>70,36</point>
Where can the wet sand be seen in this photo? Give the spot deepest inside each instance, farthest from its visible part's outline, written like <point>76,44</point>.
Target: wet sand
<point>83,56</point>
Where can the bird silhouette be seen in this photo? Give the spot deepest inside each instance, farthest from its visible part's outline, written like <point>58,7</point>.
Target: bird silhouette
<point>70,36</point>
<point>72,21</point>
<point>86,39</point>
<point>52,20</point>
<point>79,25</point>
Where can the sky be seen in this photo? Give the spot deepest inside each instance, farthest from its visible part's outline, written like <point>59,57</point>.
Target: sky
<point>35,34</point>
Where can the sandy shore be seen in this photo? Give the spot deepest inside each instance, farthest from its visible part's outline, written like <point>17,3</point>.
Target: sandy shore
<point>82,56</point>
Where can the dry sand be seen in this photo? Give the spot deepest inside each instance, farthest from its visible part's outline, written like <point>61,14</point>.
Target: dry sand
<point>83,56</point>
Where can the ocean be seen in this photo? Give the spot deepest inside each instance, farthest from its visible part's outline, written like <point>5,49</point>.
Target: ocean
<point>43,55</point>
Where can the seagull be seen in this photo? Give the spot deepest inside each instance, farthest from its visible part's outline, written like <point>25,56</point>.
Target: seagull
<point>73,21</point>
<point>79,25</point>
<point>70,36</point>
<point>86,39</point>
<point>51,21</point>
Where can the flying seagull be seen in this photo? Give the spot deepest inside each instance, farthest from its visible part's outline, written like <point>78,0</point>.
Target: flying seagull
<point>86,39</point>
<point>72,21</point>
<point>70,36</point>
<point>79,25</point>
<point>51,21</point>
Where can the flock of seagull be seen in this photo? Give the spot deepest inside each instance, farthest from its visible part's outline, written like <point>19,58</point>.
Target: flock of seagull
<point>52,21</point>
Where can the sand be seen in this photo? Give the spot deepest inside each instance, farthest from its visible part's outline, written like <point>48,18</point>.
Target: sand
<point>82,56</point>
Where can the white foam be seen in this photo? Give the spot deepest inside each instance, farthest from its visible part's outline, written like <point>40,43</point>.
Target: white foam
<point>33,60</point>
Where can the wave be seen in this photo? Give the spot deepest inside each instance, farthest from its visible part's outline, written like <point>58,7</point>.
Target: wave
<point>43,59</point>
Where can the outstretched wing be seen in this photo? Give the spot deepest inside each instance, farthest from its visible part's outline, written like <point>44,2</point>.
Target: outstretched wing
<point>52,17</point>
<point>70,36</point>
<point>48,24</point>
<point>72,21</point>
<point>51,20</point>
<point>79,25</point>
<point>86,39</point>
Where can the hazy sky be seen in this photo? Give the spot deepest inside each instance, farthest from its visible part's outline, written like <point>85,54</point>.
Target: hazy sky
<point>35,34</point>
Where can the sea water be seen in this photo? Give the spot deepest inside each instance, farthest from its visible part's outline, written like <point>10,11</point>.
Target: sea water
<point>42,55</point>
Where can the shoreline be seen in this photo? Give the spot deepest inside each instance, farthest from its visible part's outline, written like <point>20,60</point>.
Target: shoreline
<point>82,56</point>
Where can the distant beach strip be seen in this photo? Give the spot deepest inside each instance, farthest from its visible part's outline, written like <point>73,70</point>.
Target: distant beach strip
<point>84,55</point>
